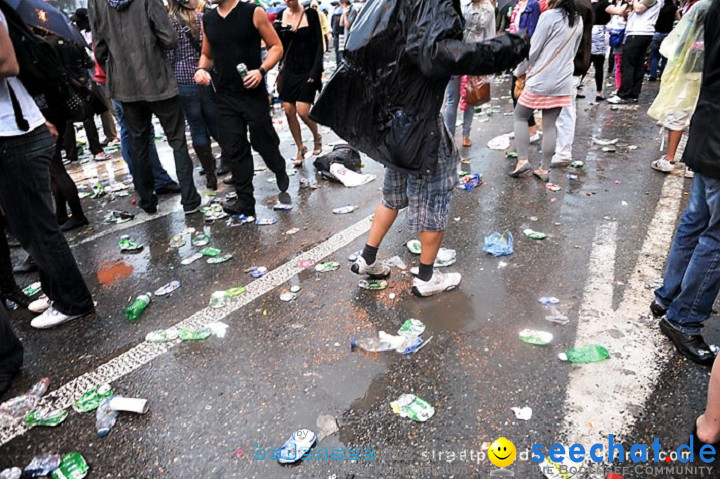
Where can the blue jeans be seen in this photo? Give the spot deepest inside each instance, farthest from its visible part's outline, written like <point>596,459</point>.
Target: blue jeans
<point>160,176</point>
<point>452,105</point>
<point>198,104</point>
<point>657,61</point>
<point>692,276</point>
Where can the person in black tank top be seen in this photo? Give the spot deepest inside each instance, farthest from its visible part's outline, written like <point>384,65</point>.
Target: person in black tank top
<point>232,34</point>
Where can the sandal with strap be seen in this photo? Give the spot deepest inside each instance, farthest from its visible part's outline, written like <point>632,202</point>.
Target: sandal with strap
<point>300,156</point>
<point>317,147</point>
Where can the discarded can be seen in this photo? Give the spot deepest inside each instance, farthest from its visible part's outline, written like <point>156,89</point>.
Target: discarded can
<point>73,466</point>
<point>532,234</point>
<point>409,405</point>
<point>191,259</point>
<point>511,154</point>
<point>577,164</point>
<point>11,473</point>
<point>233,292</point>
<point>327,266</point>
<point>239,220</point>
<point>200,239</point>
<point>177,241</point>
<point>211,252</point>
<point>344,210</point>
<point>258,271</point>
<point>539,338</point>
<point>282,207</point>
<point>587,354</point>
<point>553,187</point>
<point>373,284</point>
<point>32,289</point>
<point>571,177</point>
<point>411,327</point>
<point>295,448</point>
<point>42,465</point>
<point>242,70</point>
<point>266,221</point>
<point>162,336</point>
<point>194,335</point>
<point>288,296</point>
<point>218,299</point>
<point>135,310</point>
<point>470,182</point>
<point>219,259</point>
<point>549,301</point>
<point>46,417</point>
<point>92,399</point>
<point>168,288</point>
<point>128,246</point>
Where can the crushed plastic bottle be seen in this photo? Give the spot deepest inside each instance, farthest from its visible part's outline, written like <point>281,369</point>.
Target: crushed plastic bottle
<point>73,466</point>
<point>42,465</point>
<point>92,399</point>
<point>587,354</point>
<point>538,338</point>
<point>219,259</point>
<point>191,259</point>
<point>266,221</point>
<point>344,210</point>
<point>162,336</point>
<point>387,342</point>
<point>409,405</point>
<point>105,417</point>
<point>135,310</point>
<point>296,446</point>
<point>129,246</point>
<point>15,409</point>
<point>168,288</point>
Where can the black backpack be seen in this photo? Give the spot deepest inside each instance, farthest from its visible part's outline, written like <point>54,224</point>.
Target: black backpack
<point>343,154</point>
<point>44,75</point>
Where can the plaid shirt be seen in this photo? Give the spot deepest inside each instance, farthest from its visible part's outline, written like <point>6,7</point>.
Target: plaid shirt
<point>184,58</point>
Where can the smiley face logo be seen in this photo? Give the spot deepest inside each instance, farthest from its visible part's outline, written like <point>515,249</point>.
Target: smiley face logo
<point>502,452</point>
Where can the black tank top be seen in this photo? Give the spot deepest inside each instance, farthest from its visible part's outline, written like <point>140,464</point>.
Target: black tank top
<point>234,39</point>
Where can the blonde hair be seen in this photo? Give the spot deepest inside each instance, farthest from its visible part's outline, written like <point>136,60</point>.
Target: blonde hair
<point>188,15</point>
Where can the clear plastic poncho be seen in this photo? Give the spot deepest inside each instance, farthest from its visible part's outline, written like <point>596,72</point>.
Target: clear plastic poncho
<point>684,48</point>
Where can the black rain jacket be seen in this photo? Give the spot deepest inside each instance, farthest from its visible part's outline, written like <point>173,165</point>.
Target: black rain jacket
<point>385,98</point>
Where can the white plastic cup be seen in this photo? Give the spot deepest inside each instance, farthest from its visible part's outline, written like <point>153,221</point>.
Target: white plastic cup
<point>135,405</point>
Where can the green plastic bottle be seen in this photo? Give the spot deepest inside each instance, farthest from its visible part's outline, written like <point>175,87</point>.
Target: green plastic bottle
<point>135,310</point>
<point>587,354</point>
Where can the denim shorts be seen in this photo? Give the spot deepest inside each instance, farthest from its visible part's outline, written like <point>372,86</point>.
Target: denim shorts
<point>426,197</point>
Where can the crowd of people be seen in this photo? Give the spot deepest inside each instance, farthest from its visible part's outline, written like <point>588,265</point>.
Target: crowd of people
<point>207,65</point>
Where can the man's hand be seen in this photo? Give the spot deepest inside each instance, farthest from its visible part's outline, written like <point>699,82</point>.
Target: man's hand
<point>53,130</point>
<point>202,77</point>
<point>253,79</point>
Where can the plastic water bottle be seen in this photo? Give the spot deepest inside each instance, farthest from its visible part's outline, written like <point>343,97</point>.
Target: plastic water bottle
<point>135,310</point>
<point>105,418</point>
<point>18,407</point>
<point>587,354</point>
<point>384,342</point>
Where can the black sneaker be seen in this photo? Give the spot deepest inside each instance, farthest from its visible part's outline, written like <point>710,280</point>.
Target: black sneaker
<point>657,309</point>
<point>189,210</point>
<point>692,346</point>
<point>27,266</point>
<point>171,188</point>
<point>236,208</point>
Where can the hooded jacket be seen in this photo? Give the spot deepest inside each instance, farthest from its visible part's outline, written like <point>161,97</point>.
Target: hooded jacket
<point>702,153</point>
<point>385,98</point>
<point>130,38</point>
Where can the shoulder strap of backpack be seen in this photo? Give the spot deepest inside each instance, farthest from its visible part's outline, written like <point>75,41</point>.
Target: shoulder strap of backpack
<point>20,120</point>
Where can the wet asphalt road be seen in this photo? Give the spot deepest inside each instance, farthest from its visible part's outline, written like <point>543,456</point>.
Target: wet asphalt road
<point>214,403</point>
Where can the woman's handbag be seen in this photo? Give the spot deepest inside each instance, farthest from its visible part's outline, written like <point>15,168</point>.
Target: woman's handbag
<point>477,90</point>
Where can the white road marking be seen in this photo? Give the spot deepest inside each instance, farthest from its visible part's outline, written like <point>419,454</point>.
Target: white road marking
<point>143,353</point>
<point>604,398</point>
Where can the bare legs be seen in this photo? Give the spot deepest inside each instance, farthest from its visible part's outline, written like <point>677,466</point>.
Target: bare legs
<point>674,138</point>
<point>292,111</point>
<point>708,425</point>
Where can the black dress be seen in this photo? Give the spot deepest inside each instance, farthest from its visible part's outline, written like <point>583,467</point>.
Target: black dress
<point>303,60</point>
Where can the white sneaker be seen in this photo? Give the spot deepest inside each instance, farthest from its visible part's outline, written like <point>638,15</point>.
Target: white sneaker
<point>440,282</point>
<point>50,318</point>
<point>560,160</point>
<point>616,100</point>
<point>535,138</point>
<point>102,156</point>
<point>689,173</point>
<point>375,270</point>
<point>662,165</point>
<point>40,305</point>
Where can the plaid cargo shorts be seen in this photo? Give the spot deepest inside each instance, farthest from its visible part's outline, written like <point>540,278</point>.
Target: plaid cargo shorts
<point>426,197</point>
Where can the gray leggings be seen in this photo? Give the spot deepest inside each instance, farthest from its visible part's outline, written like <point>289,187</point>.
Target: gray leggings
<point>522,135</point>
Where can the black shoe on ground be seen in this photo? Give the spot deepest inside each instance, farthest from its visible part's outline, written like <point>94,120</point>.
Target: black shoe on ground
<point>5,381</point>
<point>17,297</point>
<point>283,182</point>
<point>12,241</point>
<point>236,208</point>
<point>171,188</point>
<point>151,210</point>
<point>657,310</point>
<point>192,209</point>
<point>223,170</point>
<point>27,266</point>
<point>74,222</point>
<point>227,181</point>
<point>692,346</point>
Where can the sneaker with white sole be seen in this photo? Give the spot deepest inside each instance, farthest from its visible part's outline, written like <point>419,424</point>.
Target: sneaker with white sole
<point>102,156</point>
<point>616,100</point>
<point>51,318</point>
<point>560,160</point>
<point>689,173</point>
<point>439,283</point>
<point>40,305</point>
<point>662,165</point>
<point>375,270</point>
